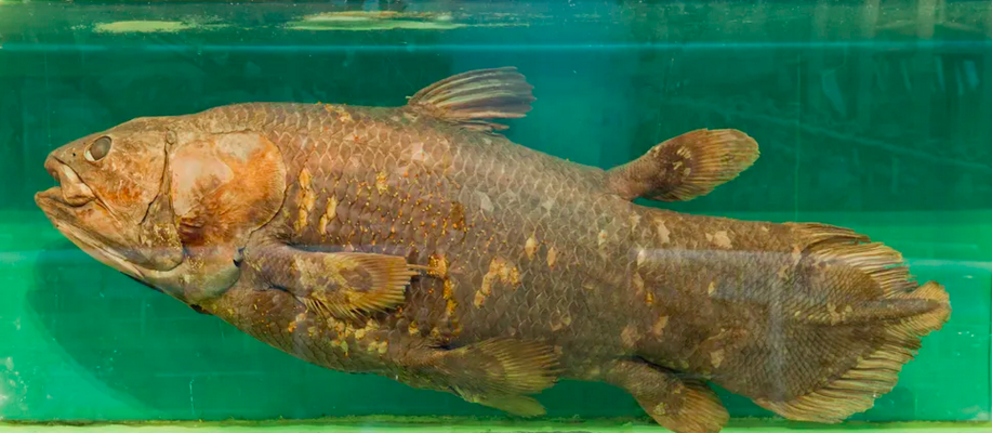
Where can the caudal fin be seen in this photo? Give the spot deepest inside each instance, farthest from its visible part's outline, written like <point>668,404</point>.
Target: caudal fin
<point>848,350</point>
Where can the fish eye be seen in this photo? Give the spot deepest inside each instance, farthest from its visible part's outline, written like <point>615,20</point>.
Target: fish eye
<point>99,149</point>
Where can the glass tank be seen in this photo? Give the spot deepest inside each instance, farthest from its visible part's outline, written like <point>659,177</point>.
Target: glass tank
<point>690,216</point>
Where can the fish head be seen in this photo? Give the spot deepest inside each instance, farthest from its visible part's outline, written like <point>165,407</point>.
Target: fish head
<point>109,197</point>
<point>165,202</point>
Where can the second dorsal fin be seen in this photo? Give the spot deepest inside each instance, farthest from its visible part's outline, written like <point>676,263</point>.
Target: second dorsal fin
<point>472,98</point>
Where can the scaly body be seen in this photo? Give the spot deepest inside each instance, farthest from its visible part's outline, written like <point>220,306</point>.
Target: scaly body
<point>522,268</point>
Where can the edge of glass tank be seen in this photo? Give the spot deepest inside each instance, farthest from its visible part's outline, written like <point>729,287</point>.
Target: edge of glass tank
<point>310,27</point>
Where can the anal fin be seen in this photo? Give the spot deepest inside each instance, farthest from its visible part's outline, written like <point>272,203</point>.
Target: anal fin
<point>471,98</point>
<point>681,405</point>
<point>685,167</point>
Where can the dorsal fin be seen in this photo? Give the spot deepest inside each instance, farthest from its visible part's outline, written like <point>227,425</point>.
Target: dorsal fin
<point>473,97</point>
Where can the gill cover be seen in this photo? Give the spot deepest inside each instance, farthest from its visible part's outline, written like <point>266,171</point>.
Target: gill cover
<point>221,187</point>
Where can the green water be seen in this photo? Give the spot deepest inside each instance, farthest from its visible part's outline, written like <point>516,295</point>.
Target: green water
<point>873,115</point>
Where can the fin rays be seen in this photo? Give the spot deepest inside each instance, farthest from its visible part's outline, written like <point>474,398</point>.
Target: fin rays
<point>472,97</point>
<point>902,314</point>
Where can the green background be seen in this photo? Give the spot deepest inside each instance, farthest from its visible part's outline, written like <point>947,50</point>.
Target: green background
<point>873,115</point>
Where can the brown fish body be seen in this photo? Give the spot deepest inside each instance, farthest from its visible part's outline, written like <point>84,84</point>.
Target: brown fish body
<point>416,244</point>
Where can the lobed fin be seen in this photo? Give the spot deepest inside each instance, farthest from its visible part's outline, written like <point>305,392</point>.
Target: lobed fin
<point>343,285</point>
<point>374,282</point>
<point>898,315</point>
<point>701,411</point>
<point>472,97</point>
<point>680,404</point>
<point>498,372</point>
<point>685,167</point>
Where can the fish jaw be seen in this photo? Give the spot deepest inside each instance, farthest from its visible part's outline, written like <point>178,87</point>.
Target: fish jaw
<point>78,214</point>
<point>66,219</point>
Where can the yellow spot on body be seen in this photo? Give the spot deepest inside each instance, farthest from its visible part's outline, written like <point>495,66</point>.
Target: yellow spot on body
<point>299,319</point>
<point>480,298</point>
<point>563,323</point>
<point>484,202</point>
<point>720,239</point>
<point>642,255</point>
<point>659,409</point>
<point>783,272</point>
<point>306,200</point>
<point>638,283</point>
<point>659,326</point>
<point>716,357</point>
<point>711,288</point>
<point>552,257</point>
<point>381,183</point>
<point>835,317</point>
<point>449,297</point>
<point>649,298</point>
<point>437,266</point>
<point>379,347</point>
<point>305,179</point>
<point>329,213</point>
<point>635,220</point>
<point>499,271</point>
<point>413,329</point>
<point>629,336</point>
<point>664,235</point>
<point>343,114</point>
<point>530,247</point>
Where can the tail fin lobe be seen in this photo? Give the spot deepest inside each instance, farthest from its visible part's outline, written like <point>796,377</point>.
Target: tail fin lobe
<point>891,315</point>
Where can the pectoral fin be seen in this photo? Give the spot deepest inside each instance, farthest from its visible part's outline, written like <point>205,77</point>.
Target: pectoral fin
<point>356,283</point>
<point>343,285</point>
<point>685,167</point>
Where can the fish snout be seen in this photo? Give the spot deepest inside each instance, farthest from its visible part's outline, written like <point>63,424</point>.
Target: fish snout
<point>75,192</point>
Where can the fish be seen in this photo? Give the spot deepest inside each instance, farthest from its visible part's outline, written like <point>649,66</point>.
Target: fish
<point>419,243</point>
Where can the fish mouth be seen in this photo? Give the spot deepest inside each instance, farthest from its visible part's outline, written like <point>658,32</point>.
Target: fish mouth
<point>63,217</point>
<point>69,205</point>
<point>74,192</point>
